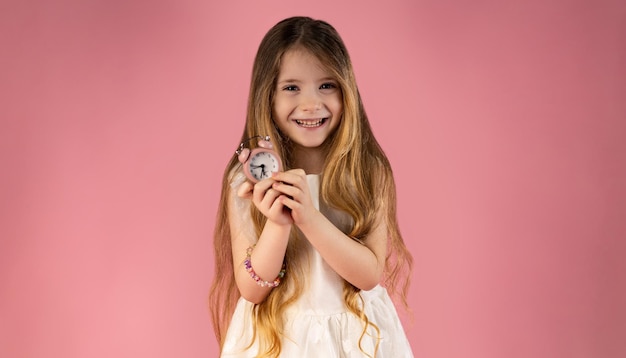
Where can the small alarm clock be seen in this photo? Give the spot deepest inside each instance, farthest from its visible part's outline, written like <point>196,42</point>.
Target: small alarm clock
<point>259,163</point>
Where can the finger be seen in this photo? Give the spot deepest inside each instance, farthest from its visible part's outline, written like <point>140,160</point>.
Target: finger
<point>299,172</point>
<point>269,197</point>
<point>245,190</point>
<point>288,175</point>
<point>287,189</point>
<point>260,188</point>
<point>289,202</point>
<point>292,177</point>
<point>274,210</point>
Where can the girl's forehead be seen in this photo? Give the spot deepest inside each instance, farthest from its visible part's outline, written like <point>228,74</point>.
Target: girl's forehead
<point>299,61</point>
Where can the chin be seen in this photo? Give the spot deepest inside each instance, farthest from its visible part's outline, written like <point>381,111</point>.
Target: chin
<point>310,144</point>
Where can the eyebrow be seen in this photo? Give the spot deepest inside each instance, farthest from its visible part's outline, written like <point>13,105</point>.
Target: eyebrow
<point>291,80</point>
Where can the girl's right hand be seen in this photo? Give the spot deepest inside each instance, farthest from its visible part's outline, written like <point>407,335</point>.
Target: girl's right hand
<point>264,198</point>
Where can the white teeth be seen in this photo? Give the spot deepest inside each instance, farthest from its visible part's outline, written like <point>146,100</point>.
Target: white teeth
<point>310,124</point>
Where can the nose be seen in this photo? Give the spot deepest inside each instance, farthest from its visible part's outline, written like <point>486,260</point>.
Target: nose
<point>311,101</point>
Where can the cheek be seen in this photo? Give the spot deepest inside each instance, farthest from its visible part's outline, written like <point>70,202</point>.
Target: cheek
<point>338,105</point>
<point>279,116</point>
<point>280,108</point>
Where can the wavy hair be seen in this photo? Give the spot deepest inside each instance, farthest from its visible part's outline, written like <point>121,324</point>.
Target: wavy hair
<point>357,179</point>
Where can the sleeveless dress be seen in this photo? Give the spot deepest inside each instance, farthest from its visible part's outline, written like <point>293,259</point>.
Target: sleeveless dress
<point>319,325</point>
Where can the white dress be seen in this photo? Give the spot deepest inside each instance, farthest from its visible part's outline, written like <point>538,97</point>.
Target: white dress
<point>319,325</point>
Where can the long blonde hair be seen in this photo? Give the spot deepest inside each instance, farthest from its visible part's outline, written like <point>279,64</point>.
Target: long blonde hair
<point>356,179</point>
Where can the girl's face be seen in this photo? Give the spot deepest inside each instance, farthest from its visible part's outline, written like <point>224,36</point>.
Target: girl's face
<point>308,102</point>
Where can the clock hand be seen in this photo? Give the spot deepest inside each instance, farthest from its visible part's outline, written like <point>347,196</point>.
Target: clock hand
<point>262,167</point>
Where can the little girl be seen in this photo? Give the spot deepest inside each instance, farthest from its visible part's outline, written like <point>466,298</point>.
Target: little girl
<point>301,254</point>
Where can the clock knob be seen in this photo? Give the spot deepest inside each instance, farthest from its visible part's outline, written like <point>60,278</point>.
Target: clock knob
<point>244,153</point>
<point>265,143</point>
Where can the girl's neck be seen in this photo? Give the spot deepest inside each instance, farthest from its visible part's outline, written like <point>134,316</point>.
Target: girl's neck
<point>309,159</point>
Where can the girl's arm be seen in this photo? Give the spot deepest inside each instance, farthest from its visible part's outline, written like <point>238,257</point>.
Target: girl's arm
<point>269,251</point>
<point>360,264</point>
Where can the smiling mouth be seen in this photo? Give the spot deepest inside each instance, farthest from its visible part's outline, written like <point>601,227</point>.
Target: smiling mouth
<point>310,123</point>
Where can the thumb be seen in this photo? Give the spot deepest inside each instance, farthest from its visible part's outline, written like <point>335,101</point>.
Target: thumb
<point>245,190</point>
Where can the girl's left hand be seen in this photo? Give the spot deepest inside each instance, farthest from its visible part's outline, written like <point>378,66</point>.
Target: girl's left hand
<point>295,194</point>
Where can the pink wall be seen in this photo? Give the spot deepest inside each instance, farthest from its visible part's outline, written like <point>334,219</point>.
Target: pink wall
<point>505,123</point>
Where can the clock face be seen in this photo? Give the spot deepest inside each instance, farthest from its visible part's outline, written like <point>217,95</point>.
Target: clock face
<point>262,164</point>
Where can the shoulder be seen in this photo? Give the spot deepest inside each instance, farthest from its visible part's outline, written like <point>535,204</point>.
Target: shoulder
<point>235,177</point>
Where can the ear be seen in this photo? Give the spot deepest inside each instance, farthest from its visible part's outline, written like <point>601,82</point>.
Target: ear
<point>243,156</point>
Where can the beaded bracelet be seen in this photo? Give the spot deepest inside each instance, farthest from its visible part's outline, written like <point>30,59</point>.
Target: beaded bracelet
<point>248,265</point>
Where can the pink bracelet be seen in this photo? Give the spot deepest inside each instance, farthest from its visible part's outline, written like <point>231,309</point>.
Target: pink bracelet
<point>248,265</point>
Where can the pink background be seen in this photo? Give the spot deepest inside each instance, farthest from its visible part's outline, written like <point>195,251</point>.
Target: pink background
<point>505,123</point>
